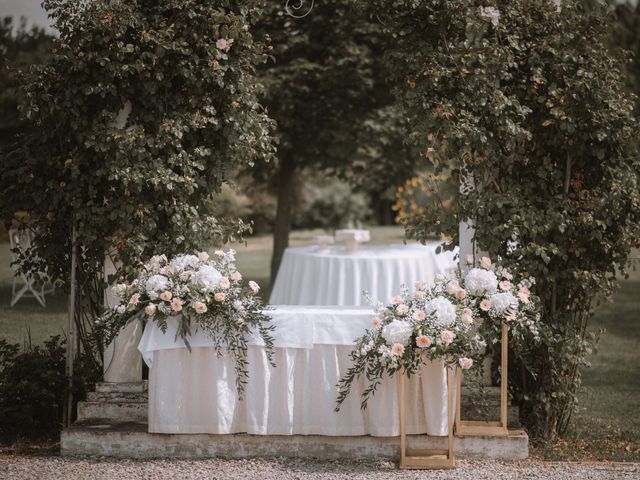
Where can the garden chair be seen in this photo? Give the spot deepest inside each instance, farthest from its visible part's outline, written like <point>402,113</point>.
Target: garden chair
<point>21,239</point>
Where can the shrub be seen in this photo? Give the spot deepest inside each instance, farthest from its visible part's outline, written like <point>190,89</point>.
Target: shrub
<point>527,109</point>
<point>32,386</point>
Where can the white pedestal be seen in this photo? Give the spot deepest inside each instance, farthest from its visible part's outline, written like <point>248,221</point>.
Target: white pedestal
<point>122,360</point>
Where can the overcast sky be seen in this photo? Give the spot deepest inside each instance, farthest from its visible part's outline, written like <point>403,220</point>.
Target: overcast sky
<point>31,9</point>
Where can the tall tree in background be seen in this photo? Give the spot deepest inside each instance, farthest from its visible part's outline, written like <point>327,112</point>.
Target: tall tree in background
<point>327,91</point>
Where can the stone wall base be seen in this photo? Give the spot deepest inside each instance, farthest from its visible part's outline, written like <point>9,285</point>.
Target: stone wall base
<point>133,441</point>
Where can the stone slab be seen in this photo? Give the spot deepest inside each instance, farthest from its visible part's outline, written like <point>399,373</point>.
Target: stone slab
<point>112,412</point>
<point>133,441</point>
<point>123,387</point>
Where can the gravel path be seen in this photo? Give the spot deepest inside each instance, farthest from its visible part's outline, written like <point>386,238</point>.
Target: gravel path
<point>92,468</point>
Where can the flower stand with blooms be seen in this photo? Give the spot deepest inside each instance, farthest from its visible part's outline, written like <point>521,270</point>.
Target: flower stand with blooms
<point>452,321</point>
<point>202,292</point>
<point>496,304</point>
<point>413,329</point>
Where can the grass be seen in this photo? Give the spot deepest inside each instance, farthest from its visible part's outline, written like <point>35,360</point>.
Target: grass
<point>607,424</point>
<point>606,427</point>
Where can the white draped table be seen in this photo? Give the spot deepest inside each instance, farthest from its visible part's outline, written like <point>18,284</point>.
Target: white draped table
<point>308,276</point>
<point>194,392</point>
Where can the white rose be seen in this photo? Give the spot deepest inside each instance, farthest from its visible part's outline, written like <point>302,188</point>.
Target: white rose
<point>480,281</point>
<point>443,310</point>
<point>120,289</point>
<point>203,256</point>
<point>398,331</point>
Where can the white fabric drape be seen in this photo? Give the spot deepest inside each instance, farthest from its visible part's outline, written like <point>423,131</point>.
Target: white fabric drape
<point>310,277</point>
<point>194,392</point>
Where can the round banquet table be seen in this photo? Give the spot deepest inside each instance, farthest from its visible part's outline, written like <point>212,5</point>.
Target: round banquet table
<point>336,277</point>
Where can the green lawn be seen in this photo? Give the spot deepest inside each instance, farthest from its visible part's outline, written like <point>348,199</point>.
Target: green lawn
<point>606,427</point>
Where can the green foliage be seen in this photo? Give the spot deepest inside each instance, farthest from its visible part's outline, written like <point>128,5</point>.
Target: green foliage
<point>330,204</point>
<point>194,114</point>
<point>531,114</point>
<point>19,49</point>
<point>137,119</point>
<point>32,384</point>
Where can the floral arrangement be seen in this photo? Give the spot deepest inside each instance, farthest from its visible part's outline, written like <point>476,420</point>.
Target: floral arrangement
<point>452,320</point>
<point>202,292</point>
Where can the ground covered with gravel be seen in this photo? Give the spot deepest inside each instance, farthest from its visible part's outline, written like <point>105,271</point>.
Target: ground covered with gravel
<point>91,468</point>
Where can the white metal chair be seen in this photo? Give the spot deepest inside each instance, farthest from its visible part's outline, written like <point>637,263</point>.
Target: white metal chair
<point>22,239</point>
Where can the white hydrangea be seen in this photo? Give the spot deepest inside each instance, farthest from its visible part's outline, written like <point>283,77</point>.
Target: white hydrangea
<point>398,331</point>
<point>156,284</point>
<point>501,302</point>
<point>207,277</point>
<point>480,281</point>
<point>179,263</point>
<point>445,311</point>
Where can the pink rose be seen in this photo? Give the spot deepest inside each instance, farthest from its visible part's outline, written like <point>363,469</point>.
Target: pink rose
<point>165,270</point>
<point>397,300</point>
<point>465,363</point>
<point>236,276</point>
<point>469,259</point>
<point>184,276</point>
<point>219,297</point>
<point>467,316</point>
<point>447,336</point>
<point>176,304</point>
<point>203,256</point>
<point>420,286</point>
<point>254,286</point>
<point>397,349</point>
<point>438,278</point>
<point>423,341</point>
<point>376,322</point>
<point>135,299</point>
<point>420,295</point>
<point>219,253</point>
<point>419,315</point>
<point>402,309</point>
<point>485,262</point>
<point>224,44</point>
<point>505,285</point>
<point>461,293</point>
<point>224,283</point>
<point>452,287</point>
<point>200,307</point>
<point>523,294</point>
<point>485,305</point>
<point>166,295</point>
<point>150,310</point>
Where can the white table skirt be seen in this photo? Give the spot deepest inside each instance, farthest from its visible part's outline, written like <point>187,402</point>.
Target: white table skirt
<point>194,392</point>
<point>309,277</point>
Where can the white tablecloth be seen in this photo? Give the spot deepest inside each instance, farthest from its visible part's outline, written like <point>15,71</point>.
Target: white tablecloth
<point>309,277</point>
<point>194,392</point>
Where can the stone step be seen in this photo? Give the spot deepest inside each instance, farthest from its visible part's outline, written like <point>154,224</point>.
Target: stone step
<point>468,412</point>
<point>117,396</point>
<point>133,441</point>
<point>129,387</point>
<point>112,412</point>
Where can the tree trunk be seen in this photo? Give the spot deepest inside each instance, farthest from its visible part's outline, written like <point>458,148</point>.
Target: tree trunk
<point>284,211</point>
